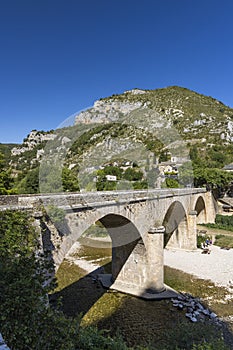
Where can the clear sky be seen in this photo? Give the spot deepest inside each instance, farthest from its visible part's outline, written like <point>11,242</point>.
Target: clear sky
<point>59,56</point>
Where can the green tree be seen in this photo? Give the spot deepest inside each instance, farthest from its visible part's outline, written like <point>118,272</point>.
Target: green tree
<point>131,174</point>
<point>50,178</point>
<point>27,321</point>
<point>69,180</point>
<point>30,183</point>
<point>101,180</point>
<point>164,156</point>
<point>140,185</point>
<point>6,181</point>
<point>212,178</point>
<point>171,183</point>
<point>113,170</point>
<point>186,174</point>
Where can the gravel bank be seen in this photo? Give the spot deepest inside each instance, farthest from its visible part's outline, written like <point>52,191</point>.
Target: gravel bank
<point>217,266</point>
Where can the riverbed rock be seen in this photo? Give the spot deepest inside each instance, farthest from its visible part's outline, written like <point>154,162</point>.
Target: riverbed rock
<point>195,311</point>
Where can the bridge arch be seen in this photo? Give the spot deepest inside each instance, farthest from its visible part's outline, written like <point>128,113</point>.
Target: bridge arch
<point>176,224</point>
<point>128,249</point>
<point>127,243</point>
<point>200,208</point>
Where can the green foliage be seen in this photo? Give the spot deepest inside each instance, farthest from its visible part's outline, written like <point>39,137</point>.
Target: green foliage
<point>69,180</point>
<point>224,241</point>
<point>217,344</point>
<point>225,220</point>
<point>90,137</point>
<point>26,321</point>
<point>194,337</point>
<point>140,185</point>
<point>153,144</point>
<point>5,149</point>
<point>102,184</point>
<point>113,170</point>
<point>164,156</point>
<point>92,339</point>
<point>6,182</point>
<point>211,156</point>
<point>50,178</point>
<point>207,166</point>
<point>30,183</point>
<point>212,178</point>
<point>171,183</point>
<point>201,239</point>
<point>22,297</point>
<point>131,174</point>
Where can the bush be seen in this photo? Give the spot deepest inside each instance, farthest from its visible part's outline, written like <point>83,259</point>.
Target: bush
<point>27,322</point>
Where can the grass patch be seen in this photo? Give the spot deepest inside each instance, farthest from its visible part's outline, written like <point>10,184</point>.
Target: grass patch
<point>67,274</point>
<point>93,254</point>
<point>219,227</point>
<point>224,241</point>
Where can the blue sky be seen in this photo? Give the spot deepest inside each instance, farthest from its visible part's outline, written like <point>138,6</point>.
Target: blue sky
<point>59,56</point>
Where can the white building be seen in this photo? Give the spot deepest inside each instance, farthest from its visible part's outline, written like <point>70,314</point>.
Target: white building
<point>111,177</point>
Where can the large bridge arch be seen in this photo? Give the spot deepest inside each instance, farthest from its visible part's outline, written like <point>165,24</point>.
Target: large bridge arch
<point>127,244</point>
<point>129,258</point>
<point>78,222</point>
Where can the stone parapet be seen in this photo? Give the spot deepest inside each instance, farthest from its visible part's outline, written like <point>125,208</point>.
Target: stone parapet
<point>93,198</point>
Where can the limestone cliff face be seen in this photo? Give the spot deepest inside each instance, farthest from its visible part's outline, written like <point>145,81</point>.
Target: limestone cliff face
<point>107,111</point>
<point>195,116</point>
<point>33,140</point>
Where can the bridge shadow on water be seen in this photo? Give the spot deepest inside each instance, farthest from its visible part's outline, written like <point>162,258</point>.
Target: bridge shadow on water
<point>139,321</point>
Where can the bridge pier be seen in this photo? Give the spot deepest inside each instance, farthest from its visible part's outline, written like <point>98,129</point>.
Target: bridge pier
<point>142,274</point>
<point>155,242</point>
<point>211,204</point>
<point>192,230</point>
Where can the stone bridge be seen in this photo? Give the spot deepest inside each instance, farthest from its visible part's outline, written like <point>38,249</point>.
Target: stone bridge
<point>140,223</point>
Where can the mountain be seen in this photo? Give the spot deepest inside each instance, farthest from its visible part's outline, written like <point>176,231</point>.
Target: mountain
<point>146,128</point>
<point>195,116</point>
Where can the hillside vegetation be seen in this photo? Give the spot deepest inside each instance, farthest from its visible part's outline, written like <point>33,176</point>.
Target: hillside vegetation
<point>144,127</point>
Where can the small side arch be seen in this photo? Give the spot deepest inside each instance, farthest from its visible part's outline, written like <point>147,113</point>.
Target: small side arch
<point>175,223</point>
<point>200,208</point>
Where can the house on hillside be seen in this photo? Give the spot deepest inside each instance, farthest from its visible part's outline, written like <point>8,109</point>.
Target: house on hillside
<point>167,168</point>
<point>111,177</point>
